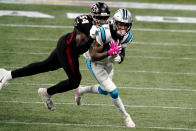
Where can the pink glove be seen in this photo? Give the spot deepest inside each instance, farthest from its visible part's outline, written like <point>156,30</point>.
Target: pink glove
<point>115,48</point>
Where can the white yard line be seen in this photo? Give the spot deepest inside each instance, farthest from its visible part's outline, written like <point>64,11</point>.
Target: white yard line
<point>71,27</point>
<point>120,87</point>
<point>166,19</point>
<point>160,6</point>
<point>36,26</point>
<point>134,42</point>
<point>127,57</point>
<point>33,14</point>
<point>138,71</point>
<point>26,53</point>
<point>164,44</point>
<point>156,72</point>
<point>33,39</point>
<point>165,30</point>
<point>107,105</point>
<point>163,58</point>
<point>93,125</point>
<point>158,89</point>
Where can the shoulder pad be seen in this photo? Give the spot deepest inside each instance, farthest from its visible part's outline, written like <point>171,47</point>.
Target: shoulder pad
<point>103,35</point>
<point>93,31</point>
<point>127,38</point>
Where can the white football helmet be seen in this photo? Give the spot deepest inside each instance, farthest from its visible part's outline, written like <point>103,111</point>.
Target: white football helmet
<point>122,16</point>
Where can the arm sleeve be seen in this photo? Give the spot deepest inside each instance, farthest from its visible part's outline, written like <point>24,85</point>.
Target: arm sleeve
<point>127,39</point>
<point>93,31</point>
<point>122,55</point>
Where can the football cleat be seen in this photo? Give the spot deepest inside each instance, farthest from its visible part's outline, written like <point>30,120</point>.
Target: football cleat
<point>129,122</point>
<point>4,77</point>
<point>46,98</point>
<point>77,97</point>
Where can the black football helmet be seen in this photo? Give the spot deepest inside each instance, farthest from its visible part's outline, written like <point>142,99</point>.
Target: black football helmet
<point>100,13</point>
<point>83,23</point>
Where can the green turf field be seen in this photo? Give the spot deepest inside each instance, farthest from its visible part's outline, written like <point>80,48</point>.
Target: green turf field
<point>156,81</point>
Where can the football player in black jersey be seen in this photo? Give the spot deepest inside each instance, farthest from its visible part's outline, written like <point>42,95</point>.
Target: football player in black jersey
<point>65,56</point>
<point>69,47</point>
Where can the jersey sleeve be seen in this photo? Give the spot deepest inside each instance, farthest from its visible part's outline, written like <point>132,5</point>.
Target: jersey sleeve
<point>101,36</point>
<point>127,39</point>
<point>93,31</point>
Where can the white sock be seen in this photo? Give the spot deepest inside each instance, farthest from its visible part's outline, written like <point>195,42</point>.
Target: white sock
<point>9,75</point>
<point>88,89</point>
<point>119,105</point>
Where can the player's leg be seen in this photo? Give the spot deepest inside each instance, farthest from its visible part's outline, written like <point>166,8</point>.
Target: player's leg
<point>110,87</point>
<point>61,87</point>
<point>99,74</point>
<point>116,100</point>
<point>69,62</point>
<point>120,106</point>
<point>49,64</point>
<point>4,77</point>
<point>81,90</point>
<point>46,98</point>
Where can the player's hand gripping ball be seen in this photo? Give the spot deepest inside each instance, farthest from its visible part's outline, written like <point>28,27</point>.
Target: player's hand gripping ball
<point>115,48</point>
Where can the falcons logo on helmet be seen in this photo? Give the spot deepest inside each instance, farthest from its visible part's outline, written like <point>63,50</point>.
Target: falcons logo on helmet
<point>94,8</point>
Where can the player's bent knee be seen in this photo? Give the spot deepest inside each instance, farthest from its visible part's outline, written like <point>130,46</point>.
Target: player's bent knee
<point>114,94</point>
<point>102,91</point>
<point>76,84</point>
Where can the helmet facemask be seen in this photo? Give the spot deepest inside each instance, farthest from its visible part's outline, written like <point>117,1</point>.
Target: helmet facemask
<point>100,19</point>
<point>122,18</point>
<point>125,30</point>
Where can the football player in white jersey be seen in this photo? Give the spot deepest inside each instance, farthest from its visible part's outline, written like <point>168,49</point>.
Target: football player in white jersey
<point>108,47</point>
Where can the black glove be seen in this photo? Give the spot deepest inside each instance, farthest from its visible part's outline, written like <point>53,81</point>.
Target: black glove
<point>122,55</point>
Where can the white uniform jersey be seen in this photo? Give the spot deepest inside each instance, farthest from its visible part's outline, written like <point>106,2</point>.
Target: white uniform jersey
<point>103,36</point>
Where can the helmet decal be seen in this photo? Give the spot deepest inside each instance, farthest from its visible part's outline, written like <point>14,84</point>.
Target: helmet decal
<point>124,14</point>
<point>94,8</point>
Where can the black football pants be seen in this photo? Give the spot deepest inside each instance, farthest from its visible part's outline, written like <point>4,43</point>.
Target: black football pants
<point>61,57</point>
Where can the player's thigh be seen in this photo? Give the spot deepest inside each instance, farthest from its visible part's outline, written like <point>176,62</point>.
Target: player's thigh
<point>110,70</point>
<point>99,72</point>
<point>108,85</point>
